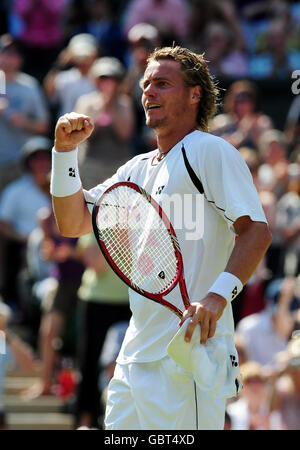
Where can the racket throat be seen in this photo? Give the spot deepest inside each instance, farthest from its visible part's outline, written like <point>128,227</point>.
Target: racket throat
<point>184,294</point>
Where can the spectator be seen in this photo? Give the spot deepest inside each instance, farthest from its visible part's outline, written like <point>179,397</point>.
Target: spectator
<point>19,204</point>
<point>253,295</point>
<point>288,223</point>
<point>23,112</point>
<point>14,352</point>
<point>286,396</point>
<point>251,410</point>
<point>253,161</point>
<point>143,38</point>
<point>273,172</point>
<point>41,35</point>
<point>241,123</point>
<point>273,325</point>
<point>113,116</point>
<point>75,17</point>
<point>35,281</point>
<point>241,348</point>
<point>277,60</point>
<point>103,302</point>
<point>203,13</point>
<point>64,87</point>
<point>110,350</point>
<point>254,17</point>
<point>273,266</point>
<point>170,17</point>
<point>104,26</point>
<point>292,127</point>
<point>222,52</point>
<point>59,301</point>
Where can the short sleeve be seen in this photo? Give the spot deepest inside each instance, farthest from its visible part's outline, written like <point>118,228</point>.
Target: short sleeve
<point>228,183</point>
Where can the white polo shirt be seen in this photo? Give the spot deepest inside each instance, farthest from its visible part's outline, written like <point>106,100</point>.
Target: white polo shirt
<point>206,240</point>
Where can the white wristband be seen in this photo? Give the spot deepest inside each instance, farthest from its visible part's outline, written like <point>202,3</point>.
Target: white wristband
<point>65,179</point>
<point>227,285</point>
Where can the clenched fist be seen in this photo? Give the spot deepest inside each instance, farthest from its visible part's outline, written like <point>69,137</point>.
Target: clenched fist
<point>72,129</point>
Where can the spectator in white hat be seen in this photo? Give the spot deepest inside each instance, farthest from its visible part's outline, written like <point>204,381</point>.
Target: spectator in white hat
<point>64,84</point>
<point>112,113</point>
<point>19,203</point>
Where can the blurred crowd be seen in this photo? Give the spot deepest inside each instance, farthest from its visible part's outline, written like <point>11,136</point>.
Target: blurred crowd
<point>61,305</point>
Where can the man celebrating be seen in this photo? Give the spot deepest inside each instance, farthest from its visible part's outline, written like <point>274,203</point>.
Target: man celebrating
<point>149,390</point>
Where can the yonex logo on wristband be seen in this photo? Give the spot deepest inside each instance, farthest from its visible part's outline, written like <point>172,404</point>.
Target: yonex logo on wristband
<point>65,179</point>
<point>234,292</point>
<point>227,285</point>
<point>71,172</point>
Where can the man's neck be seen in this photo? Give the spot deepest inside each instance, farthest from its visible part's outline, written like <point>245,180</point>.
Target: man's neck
<point>166,141</point>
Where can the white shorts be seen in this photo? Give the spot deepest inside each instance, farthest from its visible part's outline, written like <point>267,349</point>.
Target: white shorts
<point>160,395</point>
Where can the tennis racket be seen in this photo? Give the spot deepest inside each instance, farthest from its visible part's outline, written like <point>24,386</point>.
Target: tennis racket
<point>139,243</point>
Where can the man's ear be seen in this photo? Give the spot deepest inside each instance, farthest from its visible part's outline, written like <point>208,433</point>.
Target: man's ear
<point>196,94</point>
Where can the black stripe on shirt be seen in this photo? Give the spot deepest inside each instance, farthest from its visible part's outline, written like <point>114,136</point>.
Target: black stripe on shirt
<point>197,182</point>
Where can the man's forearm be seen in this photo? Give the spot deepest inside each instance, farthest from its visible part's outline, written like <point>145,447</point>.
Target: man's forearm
<point>72,215</point>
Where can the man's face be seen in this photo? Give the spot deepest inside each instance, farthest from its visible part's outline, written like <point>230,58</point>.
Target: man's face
<point>165,97</point>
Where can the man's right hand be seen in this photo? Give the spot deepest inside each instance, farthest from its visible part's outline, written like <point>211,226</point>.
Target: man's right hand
<point>72,129</point>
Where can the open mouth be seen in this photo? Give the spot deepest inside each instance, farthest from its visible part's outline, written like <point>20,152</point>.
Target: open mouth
<point>154,106</point>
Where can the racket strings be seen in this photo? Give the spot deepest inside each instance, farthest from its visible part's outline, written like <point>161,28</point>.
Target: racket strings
<point>137,239</point>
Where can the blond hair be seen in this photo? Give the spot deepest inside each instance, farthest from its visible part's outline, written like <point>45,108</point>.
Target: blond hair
<point>195,72</point>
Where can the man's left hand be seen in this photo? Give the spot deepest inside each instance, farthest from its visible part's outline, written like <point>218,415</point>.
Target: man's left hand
<point>206,313</point>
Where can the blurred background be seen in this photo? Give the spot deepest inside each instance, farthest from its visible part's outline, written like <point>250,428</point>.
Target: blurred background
<point>63,312</point>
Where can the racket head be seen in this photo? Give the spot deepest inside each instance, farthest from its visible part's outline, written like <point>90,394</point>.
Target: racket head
<point>168,230</point>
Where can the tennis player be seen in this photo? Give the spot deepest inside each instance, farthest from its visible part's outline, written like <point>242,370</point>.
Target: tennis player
<point>149,390</point>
